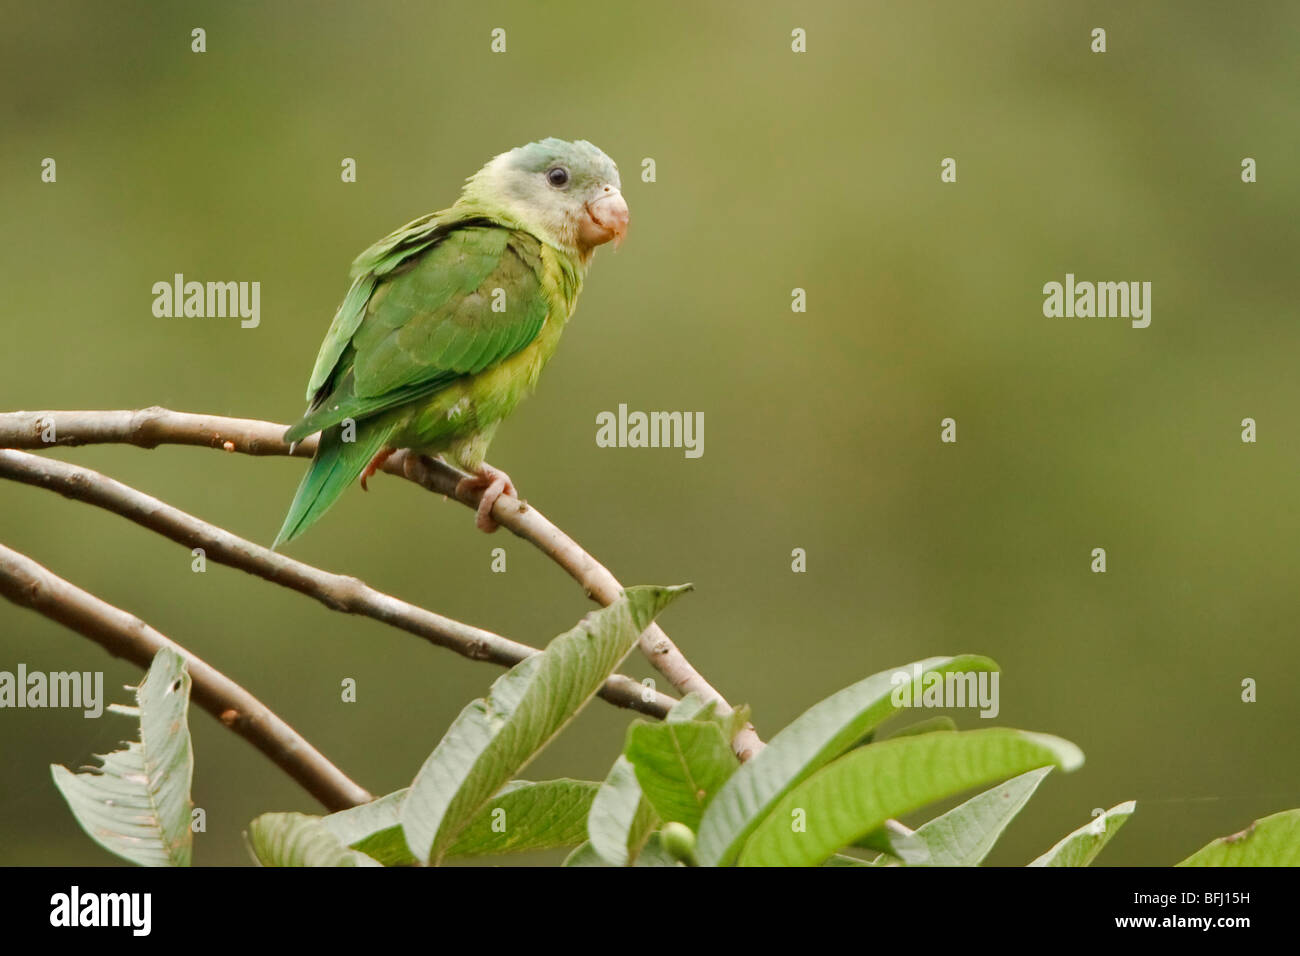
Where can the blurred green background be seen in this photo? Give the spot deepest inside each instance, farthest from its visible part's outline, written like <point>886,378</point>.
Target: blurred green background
<point>775,170</point>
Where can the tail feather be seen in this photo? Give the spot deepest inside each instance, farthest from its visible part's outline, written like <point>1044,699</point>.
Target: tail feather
<point>337,464</point>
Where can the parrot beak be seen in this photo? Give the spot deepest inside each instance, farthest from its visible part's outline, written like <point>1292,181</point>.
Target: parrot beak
<point>606,219</point>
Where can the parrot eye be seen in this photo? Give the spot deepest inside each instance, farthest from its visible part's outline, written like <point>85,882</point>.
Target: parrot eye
<point>557,176</point>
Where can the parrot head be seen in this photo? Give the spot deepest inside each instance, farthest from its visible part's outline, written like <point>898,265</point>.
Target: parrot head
<point>564,193</point>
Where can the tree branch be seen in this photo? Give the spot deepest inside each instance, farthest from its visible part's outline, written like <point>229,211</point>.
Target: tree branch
<point>31,585</point>
<point>336,591</point>
<point>151,427</point>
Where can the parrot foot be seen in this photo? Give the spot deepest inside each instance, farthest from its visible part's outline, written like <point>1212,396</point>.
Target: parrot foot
<point>375,464</point>
<point>494,483</point>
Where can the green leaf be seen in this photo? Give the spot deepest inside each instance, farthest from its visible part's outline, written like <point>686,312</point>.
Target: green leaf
<point>811,741</point>
<point>137,804</point>
<point>1269,841</point>
<point>881,839</point>
<point>860,791</point>
<point>843,859</point>
<point>692,707</point>
<point>928,726</point>
<point>493,739</point>
<point>656,854</point>
<point>536,816</point>
<point>584,855</point>
<point>653,854</point>
<point>965,834</point>
<point>375,829</point>
<point>621,818</point>
<point>680,766</point>
<point>296,839</point>
<point>1081,847</point>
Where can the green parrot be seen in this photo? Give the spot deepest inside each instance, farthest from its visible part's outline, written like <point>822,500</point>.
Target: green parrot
<point>450,319</point>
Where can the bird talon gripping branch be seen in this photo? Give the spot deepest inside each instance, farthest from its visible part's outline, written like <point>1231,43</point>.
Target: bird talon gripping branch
<point>493,482</point>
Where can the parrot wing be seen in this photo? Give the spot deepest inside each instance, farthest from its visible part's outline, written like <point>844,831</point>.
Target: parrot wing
<point>429,304</point>
<point>367,269</point>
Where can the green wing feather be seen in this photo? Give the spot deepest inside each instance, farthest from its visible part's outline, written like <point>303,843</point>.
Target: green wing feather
<point>336,465</point>
<point>419,315</point>
<point>428,321</point>
<point>367,269</point>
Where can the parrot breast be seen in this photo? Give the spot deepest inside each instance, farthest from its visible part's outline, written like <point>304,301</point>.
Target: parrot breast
<point>459,420</point>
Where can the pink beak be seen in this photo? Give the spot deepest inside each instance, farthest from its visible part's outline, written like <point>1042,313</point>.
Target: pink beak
<point>607,219</point>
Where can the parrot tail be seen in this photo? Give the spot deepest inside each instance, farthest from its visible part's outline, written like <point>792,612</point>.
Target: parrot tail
<point>337,464</point>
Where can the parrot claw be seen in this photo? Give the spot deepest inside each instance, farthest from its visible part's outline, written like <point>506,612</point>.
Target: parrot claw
<point>494,483</point>
<point>375,464</point>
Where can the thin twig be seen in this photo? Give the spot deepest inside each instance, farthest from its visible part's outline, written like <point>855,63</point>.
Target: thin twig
<point>31,585</point>
<point>151,427</point>
<point>336,591</point>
